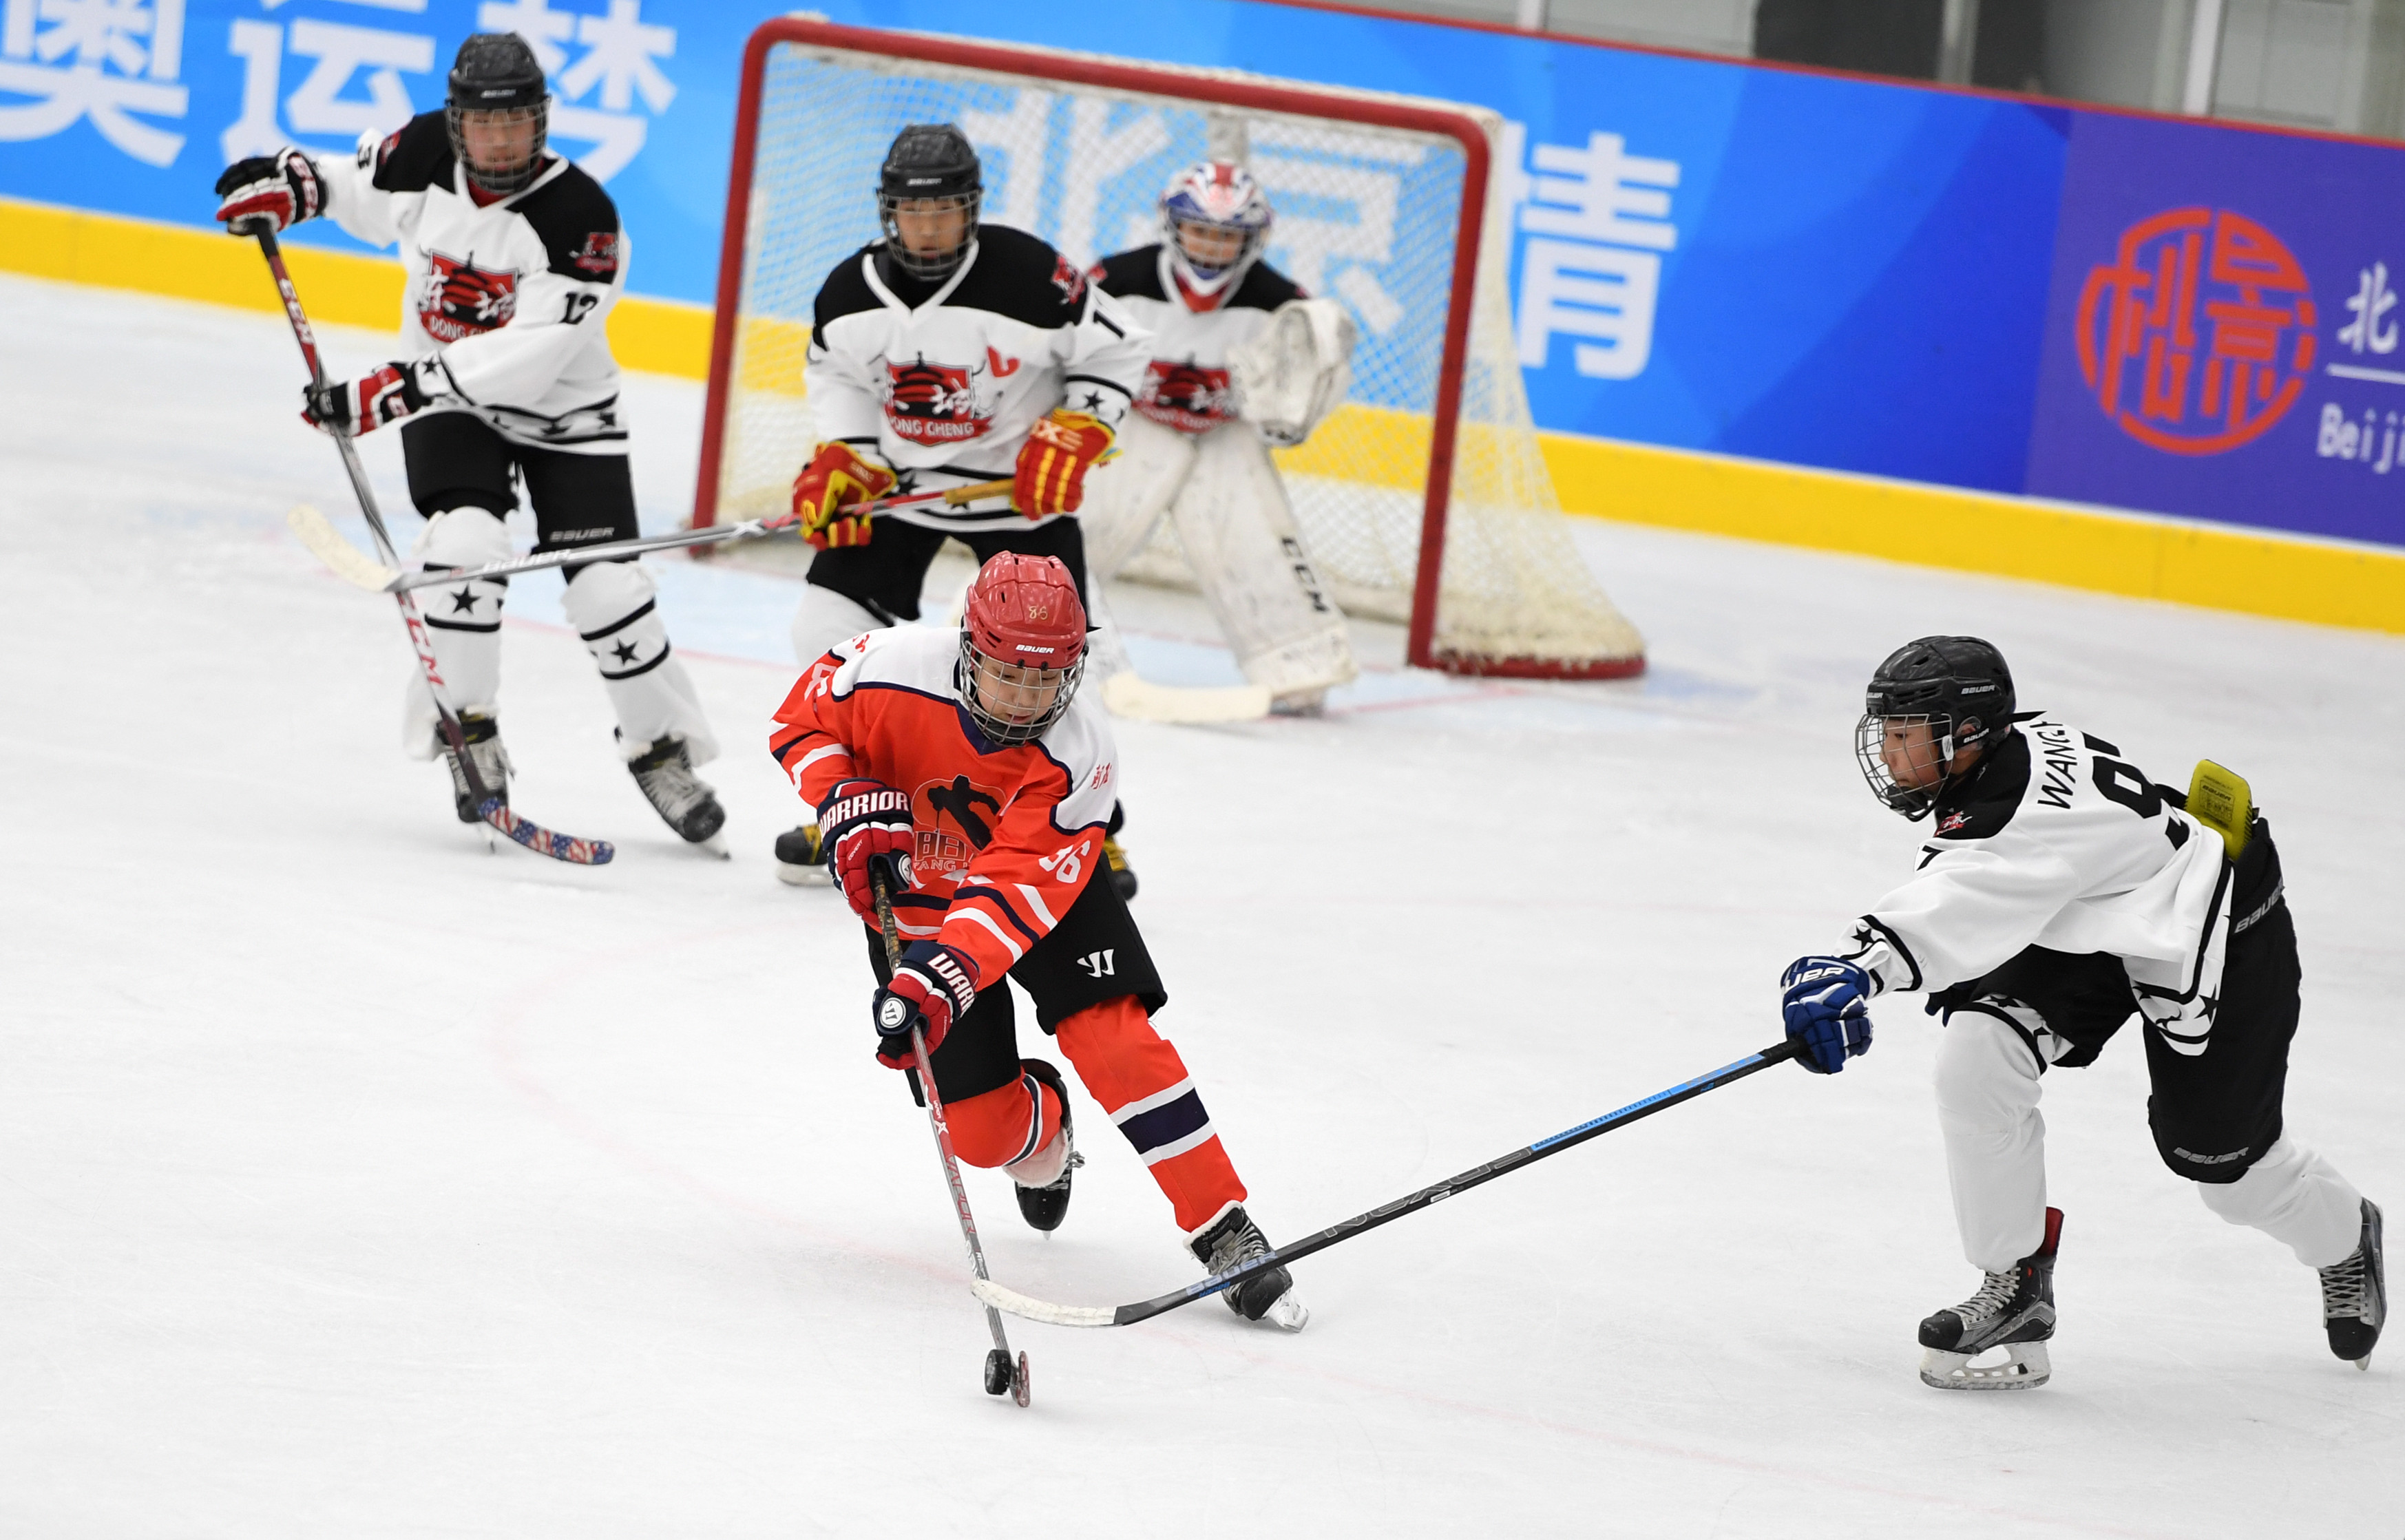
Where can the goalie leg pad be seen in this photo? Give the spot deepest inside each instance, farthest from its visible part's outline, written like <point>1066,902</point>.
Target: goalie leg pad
<point>1240,539</point>
<point>1127,495</point>
<point>463,620</point>
<point>615,611</point>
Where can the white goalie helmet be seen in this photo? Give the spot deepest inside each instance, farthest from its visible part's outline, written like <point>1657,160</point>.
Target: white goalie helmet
<point>1215,220</point>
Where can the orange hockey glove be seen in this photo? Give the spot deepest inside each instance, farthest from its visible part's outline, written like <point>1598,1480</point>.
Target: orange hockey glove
<point>839,476</point>
<point>1053,462</point>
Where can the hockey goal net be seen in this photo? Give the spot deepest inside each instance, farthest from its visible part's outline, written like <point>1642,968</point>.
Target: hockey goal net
<point>1423,498</point>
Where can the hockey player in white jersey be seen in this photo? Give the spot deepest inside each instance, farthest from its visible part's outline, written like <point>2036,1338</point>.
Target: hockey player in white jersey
<point>2060,893</point>
<point>1242,359</point>
<point>947,353</point>
<point>515,258</point>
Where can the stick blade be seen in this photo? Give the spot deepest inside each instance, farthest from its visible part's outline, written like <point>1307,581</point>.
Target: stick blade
<point>1129,694</point>
<point>343,559</point>
<point>1011,1302</point>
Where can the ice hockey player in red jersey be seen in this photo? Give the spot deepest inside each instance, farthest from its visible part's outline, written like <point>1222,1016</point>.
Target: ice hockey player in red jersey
<point>948,353</point>
<point>971,763</point>
<point>1241,359</point>
<point>2060,891</point>
<point>514,258</point>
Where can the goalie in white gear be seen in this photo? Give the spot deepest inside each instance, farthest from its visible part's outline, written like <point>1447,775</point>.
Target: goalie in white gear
<point>1242,359</point>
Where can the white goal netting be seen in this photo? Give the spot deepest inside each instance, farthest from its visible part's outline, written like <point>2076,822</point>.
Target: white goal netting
<point>1369,214</point>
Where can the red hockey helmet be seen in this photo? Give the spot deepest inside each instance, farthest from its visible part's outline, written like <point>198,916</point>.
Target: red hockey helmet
<point>1022,647</point>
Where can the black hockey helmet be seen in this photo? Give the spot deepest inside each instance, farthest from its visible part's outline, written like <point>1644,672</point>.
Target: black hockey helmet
<point>498,78</point>
<point>1959,685</point>
<point>929,161</point>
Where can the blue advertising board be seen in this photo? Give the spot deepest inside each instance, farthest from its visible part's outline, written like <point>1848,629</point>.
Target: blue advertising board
<point>1827,271</point>
<point>2223,336</point>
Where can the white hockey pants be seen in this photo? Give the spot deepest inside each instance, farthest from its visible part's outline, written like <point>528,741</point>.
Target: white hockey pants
<point>614,611</point>
<point>1995,1155</point>
<point>1240,537</point>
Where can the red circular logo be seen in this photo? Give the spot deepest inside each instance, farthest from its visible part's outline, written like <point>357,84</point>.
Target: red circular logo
<point>2199,335</point>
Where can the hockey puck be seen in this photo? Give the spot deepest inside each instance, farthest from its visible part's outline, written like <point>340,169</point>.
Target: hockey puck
<point>1019,1386</point>
<point>997,1373</point>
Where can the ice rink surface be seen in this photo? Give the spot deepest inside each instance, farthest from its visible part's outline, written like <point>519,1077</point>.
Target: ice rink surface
<point>357,1182</point>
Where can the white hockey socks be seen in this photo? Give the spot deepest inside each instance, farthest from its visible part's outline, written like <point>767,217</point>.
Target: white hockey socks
<point>615,611</point>
<point>462,619</point>
<point>825,619</point>
<point>2296,1197</point>
<point>1995,1139</point>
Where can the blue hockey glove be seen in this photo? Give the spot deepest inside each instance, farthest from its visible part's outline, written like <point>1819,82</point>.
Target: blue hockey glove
<point>1823,999</point>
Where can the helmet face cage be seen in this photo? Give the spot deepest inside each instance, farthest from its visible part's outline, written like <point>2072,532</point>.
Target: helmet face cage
<point>982,681</point>
<point>939,266</point>
<point>1870,748</point>
<point>516,176</point>
<point>1223,196</point>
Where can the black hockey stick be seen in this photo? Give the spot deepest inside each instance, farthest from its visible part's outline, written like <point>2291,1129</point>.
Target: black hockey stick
<point>347,562</point>
<point>489,805</point>
<point>998,1298</point>
<point>1000,1375</point>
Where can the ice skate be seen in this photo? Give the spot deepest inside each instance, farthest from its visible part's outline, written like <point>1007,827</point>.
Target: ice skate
<point>1232,1239</point>
<point>684,800</point>
<point>801,858</point>
<point>1122,876</point>
<point>1041,1182</point>
<point>2355,1296</point>
<point>2013,1310</point>
<point>492,762</point>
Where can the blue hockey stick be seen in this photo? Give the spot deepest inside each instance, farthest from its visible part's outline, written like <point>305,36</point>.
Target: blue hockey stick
<point>1018,1304</point>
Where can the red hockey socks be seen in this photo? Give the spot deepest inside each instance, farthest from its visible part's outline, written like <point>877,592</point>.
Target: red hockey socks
<point>999,1127</point>
<point>1138,1076</point>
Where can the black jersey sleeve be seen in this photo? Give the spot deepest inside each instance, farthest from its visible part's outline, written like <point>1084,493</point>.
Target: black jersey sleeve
<point>1264,289</point>
<point>1130,274</point>
<point>578,225</point>
<point>845,292</point>
<point>413,157</point>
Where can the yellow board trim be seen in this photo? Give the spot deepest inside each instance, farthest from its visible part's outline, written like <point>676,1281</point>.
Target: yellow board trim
<point>2214,565</point>
<point>340,289</point>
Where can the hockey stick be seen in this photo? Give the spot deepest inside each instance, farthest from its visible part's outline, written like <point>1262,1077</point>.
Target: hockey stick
<point>999,1374</point>
<point>489,806</point>
<point>353,566</point>
<point>998,1298</point>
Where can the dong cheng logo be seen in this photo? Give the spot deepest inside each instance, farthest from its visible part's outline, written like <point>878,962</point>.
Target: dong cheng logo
<point>2198,337</point>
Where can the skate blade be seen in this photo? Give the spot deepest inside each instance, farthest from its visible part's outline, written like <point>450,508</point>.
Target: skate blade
<point>2025,1367</point>
<point>1289,1314</point>
<point>804,876</point>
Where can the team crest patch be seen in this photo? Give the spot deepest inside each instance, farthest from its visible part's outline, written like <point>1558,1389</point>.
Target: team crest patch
<point>1952,821</point>
<point>1069,280</point>
<point>1186,397</point>
<point>934,403</point>
<point>459,299</point>
<point>599,255</point>
<point>955,821</point>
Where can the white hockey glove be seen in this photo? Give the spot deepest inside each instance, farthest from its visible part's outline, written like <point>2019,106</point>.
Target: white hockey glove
<point>1292,375</point>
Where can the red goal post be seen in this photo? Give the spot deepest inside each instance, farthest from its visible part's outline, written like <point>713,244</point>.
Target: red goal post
<point>1488,582</point>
